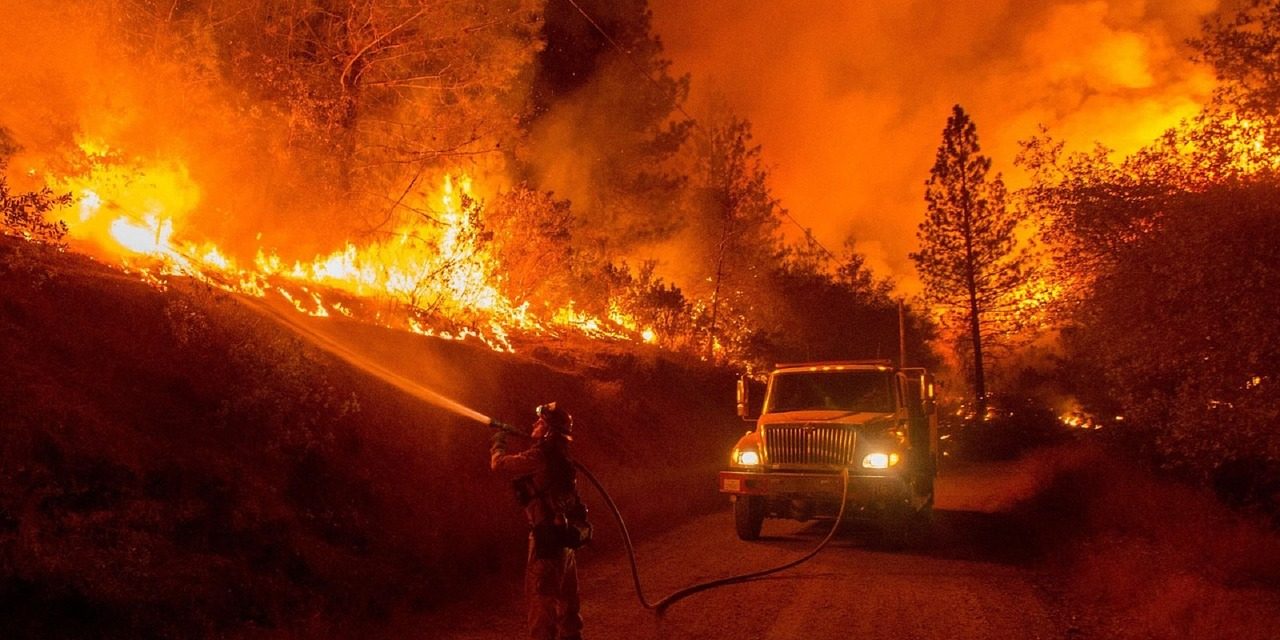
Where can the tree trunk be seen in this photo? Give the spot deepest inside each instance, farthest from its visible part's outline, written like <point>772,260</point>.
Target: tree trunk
<point>715,292</point>
<point>347,143</point>
<point>979,378</point>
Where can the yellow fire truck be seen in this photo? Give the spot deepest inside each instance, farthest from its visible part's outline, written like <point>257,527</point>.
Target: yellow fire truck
<point>820,418</point>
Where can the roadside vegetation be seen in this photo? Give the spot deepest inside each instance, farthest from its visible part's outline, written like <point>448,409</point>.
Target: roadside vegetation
<point>1148,314</point>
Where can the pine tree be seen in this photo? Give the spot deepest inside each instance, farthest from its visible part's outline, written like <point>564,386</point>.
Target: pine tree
<point>969,258</point>
<point>738,219</point>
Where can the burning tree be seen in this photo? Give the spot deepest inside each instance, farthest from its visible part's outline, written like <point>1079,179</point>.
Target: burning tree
<point>1244,51</point>
<point>968,258</point>
<point>736,224</point>
<point>25,214</point>
<point>355,102</point>
<point>1169,259</point>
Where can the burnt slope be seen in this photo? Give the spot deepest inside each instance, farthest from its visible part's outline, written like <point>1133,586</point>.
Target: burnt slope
<point>176,464</point>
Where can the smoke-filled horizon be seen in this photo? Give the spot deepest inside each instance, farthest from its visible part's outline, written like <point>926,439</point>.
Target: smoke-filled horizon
<point>849,99</point>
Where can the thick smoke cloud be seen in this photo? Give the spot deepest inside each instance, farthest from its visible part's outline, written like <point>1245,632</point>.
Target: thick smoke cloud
<point>849,98</point>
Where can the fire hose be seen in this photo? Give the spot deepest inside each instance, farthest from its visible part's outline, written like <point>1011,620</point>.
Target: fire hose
<point>661,605</point>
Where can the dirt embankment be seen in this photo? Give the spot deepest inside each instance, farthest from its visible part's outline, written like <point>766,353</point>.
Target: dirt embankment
<point>175,464</point>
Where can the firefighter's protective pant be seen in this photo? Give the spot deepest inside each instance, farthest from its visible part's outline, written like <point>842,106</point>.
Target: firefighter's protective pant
<point>551,585</point>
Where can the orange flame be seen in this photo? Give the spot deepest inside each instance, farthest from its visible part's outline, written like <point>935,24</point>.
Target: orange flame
<point>439,271</point>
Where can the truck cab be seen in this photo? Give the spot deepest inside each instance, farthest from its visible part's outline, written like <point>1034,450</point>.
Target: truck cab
<point>820,418</point>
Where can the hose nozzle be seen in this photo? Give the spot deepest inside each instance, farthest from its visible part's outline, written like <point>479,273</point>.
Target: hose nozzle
<point>506,428</point>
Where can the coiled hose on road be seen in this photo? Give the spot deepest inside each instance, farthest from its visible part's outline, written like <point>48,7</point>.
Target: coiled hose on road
<point>661,605</point>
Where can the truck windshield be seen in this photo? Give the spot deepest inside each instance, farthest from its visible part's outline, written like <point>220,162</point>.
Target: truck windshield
<point>831,391</point>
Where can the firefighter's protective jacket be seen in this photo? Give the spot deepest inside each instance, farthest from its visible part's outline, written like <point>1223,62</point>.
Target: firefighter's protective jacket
<point>546,473</point>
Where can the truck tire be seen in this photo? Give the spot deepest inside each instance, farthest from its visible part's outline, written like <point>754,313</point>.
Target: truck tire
<point>923,490</point>
<point>748,517</point>
<point>920,530</point>
<point>905,528</point>
<point>892,529</point>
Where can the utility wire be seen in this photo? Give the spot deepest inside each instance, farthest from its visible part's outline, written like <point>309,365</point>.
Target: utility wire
<point>627,55</point>
<point>808,234</point>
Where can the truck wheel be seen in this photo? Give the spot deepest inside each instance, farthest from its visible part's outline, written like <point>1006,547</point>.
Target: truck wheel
<point>923,487</point>
<point>892,530</point>
<point>904,527</point>
<point>748,516</point>
<point>920,532</point>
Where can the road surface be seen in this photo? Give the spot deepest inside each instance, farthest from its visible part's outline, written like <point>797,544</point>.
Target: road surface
<point>973,581</point>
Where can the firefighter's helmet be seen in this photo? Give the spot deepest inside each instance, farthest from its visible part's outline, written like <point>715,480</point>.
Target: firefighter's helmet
<point>557,420</point>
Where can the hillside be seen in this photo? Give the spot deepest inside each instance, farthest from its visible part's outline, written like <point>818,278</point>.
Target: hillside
<point>176,464</point>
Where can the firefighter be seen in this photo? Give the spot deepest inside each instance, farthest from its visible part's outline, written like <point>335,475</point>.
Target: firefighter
<point>545,487</point>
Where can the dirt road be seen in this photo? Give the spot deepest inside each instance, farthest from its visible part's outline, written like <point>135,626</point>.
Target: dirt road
<point>972,582</point>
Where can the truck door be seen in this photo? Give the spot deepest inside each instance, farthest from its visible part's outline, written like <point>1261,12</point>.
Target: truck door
<point>913,396</point>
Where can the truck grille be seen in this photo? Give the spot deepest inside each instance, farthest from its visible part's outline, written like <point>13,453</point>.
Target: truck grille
<point>802,444</point>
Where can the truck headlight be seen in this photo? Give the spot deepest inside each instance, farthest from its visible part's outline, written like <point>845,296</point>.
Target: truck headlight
<point>880,460</point>
<point>746,457</point>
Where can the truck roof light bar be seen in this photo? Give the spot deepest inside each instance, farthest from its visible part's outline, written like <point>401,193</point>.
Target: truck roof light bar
<point>826,366</point>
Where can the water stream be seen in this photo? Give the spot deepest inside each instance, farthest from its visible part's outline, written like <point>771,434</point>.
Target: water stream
<point>293,321</point>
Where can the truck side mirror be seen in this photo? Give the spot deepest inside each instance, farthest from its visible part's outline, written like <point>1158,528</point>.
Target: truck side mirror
<point>744,397</point>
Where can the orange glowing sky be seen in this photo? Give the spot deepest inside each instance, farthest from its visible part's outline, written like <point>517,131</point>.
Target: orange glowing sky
<point>849,98</point>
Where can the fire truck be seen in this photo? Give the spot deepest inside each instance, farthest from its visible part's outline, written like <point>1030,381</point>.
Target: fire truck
<point>818,419</point>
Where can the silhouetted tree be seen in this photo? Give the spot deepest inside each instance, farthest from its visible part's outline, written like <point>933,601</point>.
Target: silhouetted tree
<point>818,312</point>
<point>605,124</point>
<point>23,214</point>
<point>968,259</point>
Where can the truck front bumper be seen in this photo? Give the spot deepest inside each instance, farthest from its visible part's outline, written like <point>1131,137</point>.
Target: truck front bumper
<point>863,489</point>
